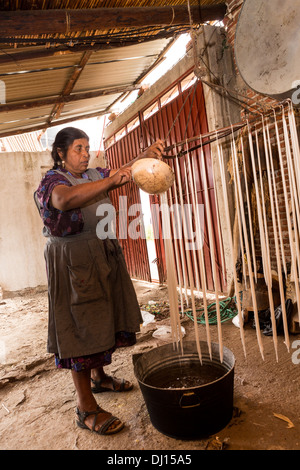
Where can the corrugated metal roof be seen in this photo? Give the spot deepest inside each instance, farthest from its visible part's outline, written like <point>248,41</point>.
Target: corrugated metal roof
<point>28,79</point>
<point>88,106</point>
<point>18,143</point>
<point>120,67</point>
<point>26,86</point>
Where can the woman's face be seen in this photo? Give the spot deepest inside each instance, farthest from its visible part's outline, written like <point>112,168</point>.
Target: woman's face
<point>77,158</point>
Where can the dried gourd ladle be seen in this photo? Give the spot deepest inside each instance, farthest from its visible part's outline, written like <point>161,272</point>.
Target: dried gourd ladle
<point>152,175</point>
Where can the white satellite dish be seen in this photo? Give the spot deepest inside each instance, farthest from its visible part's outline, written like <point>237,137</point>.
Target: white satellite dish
<point>267,47</point>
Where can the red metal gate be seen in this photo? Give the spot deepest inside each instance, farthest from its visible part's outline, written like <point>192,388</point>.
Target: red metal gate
<point>135,250</point>
<point>175,116</point>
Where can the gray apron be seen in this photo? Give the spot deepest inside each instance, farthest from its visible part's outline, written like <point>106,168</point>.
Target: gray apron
<point>90,293</point>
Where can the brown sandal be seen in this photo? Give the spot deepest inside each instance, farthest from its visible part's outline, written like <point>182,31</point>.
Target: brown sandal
<point>99,388</point>
<point>104,429</point>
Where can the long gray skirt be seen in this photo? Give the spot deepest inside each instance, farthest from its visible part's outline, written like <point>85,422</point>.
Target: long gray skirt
<point>91,296</point>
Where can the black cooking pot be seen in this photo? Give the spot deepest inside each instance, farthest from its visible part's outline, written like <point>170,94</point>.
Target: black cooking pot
<point>186,399</point>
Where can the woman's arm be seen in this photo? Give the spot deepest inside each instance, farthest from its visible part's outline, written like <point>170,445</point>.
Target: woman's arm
<point>66,198</point>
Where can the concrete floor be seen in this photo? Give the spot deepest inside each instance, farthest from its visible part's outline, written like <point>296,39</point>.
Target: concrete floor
<point>37,402</point>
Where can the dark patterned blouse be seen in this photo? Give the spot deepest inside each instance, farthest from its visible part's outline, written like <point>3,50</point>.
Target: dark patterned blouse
<point>60,223</point>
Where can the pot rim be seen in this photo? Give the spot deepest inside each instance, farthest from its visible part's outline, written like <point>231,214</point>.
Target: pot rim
<point>185,389</point>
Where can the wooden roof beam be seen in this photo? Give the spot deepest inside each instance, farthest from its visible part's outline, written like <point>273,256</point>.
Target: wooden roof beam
<point>48,52</point>
<point>35,22</point>
<point>66,99</point>
<point>9,56</point>
<point>56,111</point>
<point>38,127</point>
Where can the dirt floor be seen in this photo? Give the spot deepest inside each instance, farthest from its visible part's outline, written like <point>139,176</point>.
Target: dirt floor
<point>37,401</point>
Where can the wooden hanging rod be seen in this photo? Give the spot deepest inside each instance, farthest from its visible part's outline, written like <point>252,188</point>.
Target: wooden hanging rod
<point>224,131</point>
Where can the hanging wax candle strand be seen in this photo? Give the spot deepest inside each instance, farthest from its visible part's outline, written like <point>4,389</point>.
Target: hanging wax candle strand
<point>241,238</point>
<point>181,247</point>
<point>277,251</point>
<point>212,253</point>
<point>171,270</point>
<point>266,260</point>
<point>295,151</point>
<point>294,194</point>
<point>249,208</point>
<point>260,206</point>
<point>238,192</point>
<point>201,234</point>
<point>293,159</point>
<point>190,227</point>
<point>227,215</point>
<point>240,231</point>
<point>294,142</point>
<point>199,248</point>
<point>179,273</point>
<point>261,224</point>
<point>294,200</point>
<point>296,154</point>
<point>263,228</point>
<point>190,273</point>
<point>179,234</point>
<point>202,263</point>
<point>219,225</point>
<point>294,262</point>
<point>293,208</point>
<point>276,200</point>
<point>189,232</point>
<point>293,188</point>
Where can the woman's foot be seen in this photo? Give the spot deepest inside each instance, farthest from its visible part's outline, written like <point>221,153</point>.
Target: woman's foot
<point>90,415</point>
<point>98,420</point>
<point>107,383</point>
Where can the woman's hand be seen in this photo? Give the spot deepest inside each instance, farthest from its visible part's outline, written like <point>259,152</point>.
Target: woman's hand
<point>121,176</point>
<point>155,150</point>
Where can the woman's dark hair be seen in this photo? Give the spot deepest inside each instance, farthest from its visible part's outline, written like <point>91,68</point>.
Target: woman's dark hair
<point>64,138</point>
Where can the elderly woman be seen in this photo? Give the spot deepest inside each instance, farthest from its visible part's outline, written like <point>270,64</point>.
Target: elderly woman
<point>93,307</point>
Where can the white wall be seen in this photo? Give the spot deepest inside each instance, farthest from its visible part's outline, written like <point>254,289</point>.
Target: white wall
<point>22,262</point>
